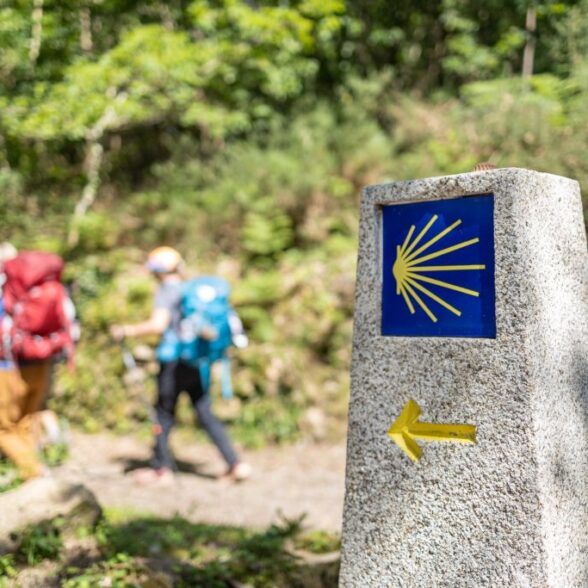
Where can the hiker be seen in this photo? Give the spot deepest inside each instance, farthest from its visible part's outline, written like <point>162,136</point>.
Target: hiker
<point>177,374</point>
<point>37,324</point>
<point>16,439</point>
<point>43,319</point>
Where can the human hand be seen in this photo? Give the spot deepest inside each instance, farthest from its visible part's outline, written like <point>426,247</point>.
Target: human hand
<point>208,333</point>
<point>117,332</point>
<point>240,341</point>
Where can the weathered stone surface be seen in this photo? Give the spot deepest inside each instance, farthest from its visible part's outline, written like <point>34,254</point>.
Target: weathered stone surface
<point>44,499</point>
<point>512,510</point>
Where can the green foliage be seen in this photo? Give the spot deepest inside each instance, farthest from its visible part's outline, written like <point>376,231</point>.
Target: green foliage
<point>96,232</point>
<point>240,133</point>
<point>9,478</point>
<point>266,232</point>
<point>52,455</point>
<point>264,421</point>
<point>570,44</point>
<point>10,193</point>
<point>120,571</point>
<point>205,555</point>
<point>318,542</point>
<point>154,73</point>
<point>7,568</point>
<point>444,44</point>
<point>55,454</point>
<point>39,542</point>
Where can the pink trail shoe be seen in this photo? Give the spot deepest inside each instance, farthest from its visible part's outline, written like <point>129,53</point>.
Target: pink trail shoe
<point>239,472</point>
<point>159,477</point>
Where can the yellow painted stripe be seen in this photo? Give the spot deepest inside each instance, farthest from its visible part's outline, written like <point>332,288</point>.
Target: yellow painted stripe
<point>443,432</point>
<point>434,297</point>
<point>421,235</point>
<point>433,240</point>
<point>407,299</point>
<point>410,232</point>
<point>420,302</point>
<point>446,268</point>
<point>444,251</point>
<point>410,447</point>
<point>443,284</point>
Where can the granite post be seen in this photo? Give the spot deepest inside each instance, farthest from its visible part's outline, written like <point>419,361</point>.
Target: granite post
<point>511,510</point>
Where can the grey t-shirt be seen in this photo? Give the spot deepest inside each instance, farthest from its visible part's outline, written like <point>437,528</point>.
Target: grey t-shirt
<point>169,296</point>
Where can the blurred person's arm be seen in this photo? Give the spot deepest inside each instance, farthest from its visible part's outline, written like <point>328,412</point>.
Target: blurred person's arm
<point>157,323</point>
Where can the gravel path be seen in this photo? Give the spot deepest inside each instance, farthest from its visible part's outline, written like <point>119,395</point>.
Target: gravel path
<point>293,480</point>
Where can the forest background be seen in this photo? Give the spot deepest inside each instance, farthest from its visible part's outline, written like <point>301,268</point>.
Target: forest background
<point>241,133</point>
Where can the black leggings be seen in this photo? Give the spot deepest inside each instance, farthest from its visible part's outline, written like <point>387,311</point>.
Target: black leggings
<point>175,377</point>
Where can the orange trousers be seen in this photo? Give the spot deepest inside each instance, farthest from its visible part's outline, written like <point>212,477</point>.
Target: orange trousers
<point>37,378</point>
<point>21,396</point>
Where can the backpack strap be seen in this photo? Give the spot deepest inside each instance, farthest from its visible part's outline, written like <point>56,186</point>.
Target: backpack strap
<point>6,359</point>
<point>226,382</point>
<point>205,367</point>
<point>204,370</point>
<point>68,322</point>
<point>6,338</point>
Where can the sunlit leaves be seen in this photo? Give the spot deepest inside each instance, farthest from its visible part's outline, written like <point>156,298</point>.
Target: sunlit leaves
<point>236,65</point>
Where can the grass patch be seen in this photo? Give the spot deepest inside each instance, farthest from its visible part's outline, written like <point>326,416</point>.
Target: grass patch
<point>128,549</point>
<point>55,454</point>
<point>51,455</point>
<point>137,549</point>
<point>40,542</point>
<point>318,542</point>
<point>118,571</point>
<point>197,554</point>
<point>9,478</point>
<point>8,568</point>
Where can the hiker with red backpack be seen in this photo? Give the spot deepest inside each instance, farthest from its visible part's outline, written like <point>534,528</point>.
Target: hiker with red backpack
<point>35,325</point>
<point>16,439</point>
<point>40,318</point>
<point>196,325</point>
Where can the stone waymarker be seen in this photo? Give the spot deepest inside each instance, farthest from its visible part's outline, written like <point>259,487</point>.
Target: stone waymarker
<point>472,309</point>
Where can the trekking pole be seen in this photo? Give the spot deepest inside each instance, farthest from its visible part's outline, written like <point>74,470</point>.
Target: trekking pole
<point>138,380</point>
<point>128,358</point>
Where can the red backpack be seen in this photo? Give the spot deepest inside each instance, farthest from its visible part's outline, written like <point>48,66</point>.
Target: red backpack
<point>34,299</point>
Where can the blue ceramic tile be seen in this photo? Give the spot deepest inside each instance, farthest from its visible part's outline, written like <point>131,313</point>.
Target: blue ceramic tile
<point>438,268</point>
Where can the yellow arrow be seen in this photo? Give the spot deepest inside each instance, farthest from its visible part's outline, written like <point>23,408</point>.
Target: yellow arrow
<point>405,430</point>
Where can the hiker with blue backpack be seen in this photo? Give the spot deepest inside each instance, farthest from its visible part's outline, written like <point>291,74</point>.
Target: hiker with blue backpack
<point>197,326</point>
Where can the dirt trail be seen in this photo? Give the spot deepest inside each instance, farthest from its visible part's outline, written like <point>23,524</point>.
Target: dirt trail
<point>292,480</point>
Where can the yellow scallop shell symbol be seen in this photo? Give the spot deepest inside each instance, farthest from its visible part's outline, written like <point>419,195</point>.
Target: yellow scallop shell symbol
<point>408,269</point>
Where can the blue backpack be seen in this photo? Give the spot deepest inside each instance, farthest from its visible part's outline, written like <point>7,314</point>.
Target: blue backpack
<point>204,304</point>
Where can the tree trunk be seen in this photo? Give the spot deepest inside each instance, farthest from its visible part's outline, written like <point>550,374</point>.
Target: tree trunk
<point>92,165</point>
<point>529,53</point>
<point>86,42</point>
<point>37,30</point>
